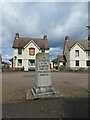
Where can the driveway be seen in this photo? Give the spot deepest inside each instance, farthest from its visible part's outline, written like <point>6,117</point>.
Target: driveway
<point>15,84</point>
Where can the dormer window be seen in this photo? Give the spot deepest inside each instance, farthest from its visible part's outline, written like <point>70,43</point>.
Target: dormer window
<point>19,51</point>
<point>32,51</point>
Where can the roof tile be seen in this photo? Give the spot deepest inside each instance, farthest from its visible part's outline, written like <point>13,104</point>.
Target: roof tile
<point>21,42</point>
<point>84,43</point>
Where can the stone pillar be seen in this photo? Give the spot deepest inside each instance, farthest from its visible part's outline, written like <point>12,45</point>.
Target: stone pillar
<point>43,86</point>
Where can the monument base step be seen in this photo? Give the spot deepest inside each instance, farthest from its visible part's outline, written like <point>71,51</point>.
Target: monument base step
<point>31,94</point>
<point>41,95</point>
<point>43,91</point>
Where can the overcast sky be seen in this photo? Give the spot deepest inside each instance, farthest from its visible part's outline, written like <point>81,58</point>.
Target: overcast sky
<point>35,19</point>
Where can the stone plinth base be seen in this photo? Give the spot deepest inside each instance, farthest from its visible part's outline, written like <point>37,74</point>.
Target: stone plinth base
<point>31,94</point>
<point>43,91</point>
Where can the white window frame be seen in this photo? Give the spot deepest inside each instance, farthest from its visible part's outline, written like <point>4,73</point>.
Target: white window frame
<point>31,64</point>
<point>76,53</point>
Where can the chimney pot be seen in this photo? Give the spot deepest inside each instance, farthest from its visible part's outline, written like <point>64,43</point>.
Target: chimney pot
<point>66,37</point>
<point>45,37</point>
<point>17,35</point>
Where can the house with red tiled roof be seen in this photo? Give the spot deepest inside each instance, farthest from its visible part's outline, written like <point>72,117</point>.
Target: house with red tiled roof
<point>25,50</point>
<point>77,53</point>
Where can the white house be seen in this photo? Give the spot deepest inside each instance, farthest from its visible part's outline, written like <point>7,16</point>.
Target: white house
<point>25,50</point>
<point>77,53</point>
<point>0,61</point>
<point>51,65</point>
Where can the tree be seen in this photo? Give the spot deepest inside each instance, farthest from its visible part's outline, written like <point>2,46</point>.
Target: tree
<point>88,27</point>
<point>54,60</point>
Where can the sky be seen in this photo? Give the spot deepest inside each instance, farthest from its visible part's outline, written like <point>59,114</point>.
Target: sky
<point>36,19</point>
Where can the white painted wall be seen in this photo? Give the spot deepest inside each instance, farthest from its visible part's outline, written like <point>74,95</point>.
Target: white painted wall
<point>82,57</point>
<point>25,55</point>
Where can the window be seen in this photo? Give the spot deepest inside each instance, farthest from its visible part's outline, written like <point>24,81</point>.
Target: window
<point>43,50</point>
<point>77,62</point>
<point>19,62</point>
<point>88,53</point>
<point>31,62</point>
<point>31,51</point>
<point>76,53</point>
<point>19,51</point>
<point>88,63</point>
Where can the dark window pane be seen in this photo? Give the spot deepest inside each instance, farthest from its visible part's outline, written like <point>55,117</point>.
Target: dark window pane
<point>88,53</point>
<point>43,50</point>
<point>77,62</point>
<point>19,62</point>
<point>76,53</point>
<point>19,51</point>
<point>31,62</point>
<point>88,63</point>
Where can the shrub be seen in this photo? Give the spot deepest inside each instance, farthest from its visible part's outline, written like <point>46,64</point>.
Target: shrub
<point>88,91</point>
<point>67,69</point>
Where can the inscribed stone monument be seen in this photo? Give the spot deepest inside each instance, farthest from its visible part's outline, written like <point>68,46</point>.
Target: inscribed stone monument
<point>42,86</point>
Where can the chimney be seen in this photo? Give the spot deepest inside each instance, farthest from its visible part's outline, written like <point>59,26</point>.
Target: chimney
<point>45,37</point>
<point>89,37</point>
<point>17,35</point>
<point>66,37</point>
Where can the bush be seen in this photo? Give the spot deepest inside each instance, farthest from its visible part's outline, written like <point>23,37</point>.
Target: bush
<point>62,67</point>
<point>83,69</point>
<point>88,91</point>
<point>68,69</point>
<point>88,69</point>
<point>12,69</point>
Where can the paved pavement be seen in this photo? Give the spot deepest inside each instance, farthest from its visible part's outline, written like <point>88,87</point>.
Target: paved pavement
<point>72,86</point>
<point>49,108</point>
<point>15,84</point>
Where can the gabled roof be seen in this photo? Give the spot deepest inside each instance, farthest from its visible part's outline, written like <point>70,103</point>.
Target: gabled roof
<point>84,43</point>
<point>11,59</point>
<point>21,42</point>
<point>60,58</point>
